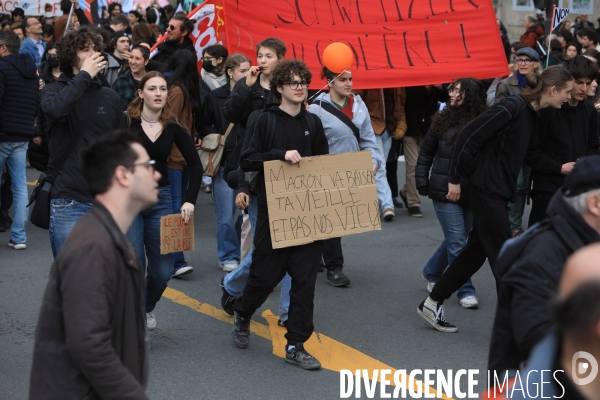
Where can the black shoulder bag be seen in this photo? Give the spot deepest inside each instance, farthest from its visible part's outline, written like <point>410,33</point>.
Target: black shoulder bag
<point>42,193</point>
<point>330,108</point>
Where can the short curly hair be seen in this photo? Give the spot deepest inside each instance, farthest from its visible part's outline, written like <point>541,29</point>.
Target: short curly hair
<point>68,46</point>
<point>283,73</point>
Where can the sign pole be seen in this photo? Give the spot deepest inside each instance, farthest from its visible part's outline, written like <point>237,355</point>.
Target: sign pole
<point>550,34</point>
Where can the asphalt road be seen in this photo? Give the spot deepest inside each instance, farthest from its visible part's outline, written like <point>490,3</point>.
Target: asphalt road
<point>192,353</point>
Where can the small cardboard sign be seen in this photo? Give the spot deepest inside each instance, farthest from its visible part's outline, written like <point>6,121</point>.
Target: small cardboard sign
<point>326,197</point>
<point>175,235</point>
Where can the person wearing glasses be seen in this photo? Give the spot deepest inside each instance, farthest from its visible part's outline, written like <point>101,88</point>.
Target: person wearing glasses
<point>33,43</point>
<point>213,73</point>
<point>149,116</point>
<point>178,31</point>
<point>467,101</point>
<point>91,332</point>
<point>342,113</point>
<point>527,60</point>
<point>283,131</point>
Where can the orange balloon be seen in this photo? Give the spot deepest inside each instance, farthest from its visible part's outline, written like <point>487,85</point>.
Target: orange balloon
<point>338,57</point>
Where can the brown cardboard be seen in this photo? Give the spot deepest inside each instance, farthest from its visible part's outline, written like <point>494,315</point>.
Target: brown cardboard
<point>175,235</point>
<point>326,197</point>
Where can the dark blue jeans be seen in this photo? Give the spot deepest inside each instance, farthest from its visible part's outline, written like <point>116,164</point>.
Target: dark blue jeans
<point>64,214</point>
<point>176,179</point>
<point>144,234</point>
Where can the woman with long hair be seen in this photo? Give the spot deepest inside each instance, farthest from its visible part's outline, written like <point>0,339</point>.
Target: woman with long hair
<point>467,101</point>
<point>489,152</point>
<point>127,82</point>
<point>149,116</point>
<point>184,92</point>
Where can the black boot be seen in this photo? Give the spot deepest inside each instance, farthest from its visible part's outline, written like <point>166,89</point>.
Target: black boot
<point>241,331</point>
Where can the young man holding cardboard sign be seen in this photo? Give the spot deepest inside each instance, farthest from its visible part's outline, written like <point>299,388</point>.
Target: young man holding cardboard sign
<point>292,139</point>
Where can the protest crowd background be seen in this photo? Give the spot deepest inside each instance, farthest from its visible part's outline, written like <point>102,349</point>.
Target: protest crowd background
<point>480,149</point>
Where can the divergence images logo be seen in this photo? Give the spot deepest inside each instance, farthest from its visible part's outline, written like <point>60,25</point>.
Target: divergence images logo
<point>581,368</point>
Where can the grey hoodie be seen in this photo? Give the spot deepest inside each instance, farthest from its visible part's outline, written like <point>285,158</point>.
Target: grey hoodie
<point>340,137</point>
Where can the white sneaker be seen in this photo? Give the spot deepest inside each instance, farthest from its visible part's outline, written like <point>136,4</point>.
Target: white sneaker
<point>469,302</point>
<point>430,284</point>
<point>228,266</point>
<point>151,320</point>
<point>183,271</point>
<point>17,246</point>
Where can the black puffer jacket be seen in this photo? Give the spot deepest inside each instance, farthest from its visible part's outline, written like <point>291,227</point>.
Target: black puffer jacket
<point>435,152</point>
<point>19,92</point>
<point>529,270</point>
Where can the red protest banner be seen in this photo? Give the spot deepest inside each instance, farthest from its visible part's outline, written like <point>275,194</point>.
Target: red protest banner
<point>395,42</point>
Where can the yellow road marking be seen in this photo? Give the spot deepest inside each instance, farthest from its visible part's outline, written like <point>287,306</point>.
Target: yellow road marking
<point>332,354</point>
<point>33,183</point>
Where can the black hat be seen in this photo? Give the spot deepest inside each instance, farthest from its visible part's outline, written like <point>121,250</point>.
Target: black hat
<point>584,177</point>
<point>529,52</point>
<point>118,34</point>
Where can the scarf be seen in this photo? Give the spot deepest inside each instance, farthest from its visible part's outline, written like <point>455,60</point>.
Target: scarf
<point>213,81</point>
<point>521,79</point>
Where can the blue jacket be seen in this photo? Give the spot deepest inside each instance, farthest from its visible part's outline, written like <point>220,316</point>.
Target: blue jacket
<point>19,91</point>
<point>28,46</point>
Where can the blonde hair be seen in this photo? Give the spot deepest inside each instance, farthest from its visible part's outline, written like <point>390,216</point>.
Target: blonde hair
<point>135,108</point>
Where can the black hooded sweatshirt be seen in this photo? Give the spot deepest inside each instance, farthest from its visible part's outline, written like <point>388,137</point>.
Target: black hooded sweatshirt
<point>290,134</point>
<point>529,270</point>
<point>19,92</point>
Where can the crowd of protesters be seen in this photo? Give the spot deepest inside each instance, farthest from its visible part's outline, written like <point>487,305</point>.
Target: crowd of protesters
<point>480,150</point>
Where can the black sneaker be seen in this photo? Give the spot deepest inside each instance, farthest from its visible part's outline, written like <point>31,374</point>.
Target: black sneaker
<point>433,312</point>
<point>404,200</point>
<point>241,331</point>
<point>415,212</point>
<point>227,300</point>
<point>336,277</point>
<point>301,358</point>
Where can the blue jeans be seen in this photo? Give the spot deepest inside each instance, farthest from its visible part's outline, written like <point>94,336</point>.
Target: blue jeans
<point>144,234</point>
<point>235,281</point>
<point>228,240</point>
<point>13,154</point>
<point>384,193</point>
<point>456,222</point>
<point>64,214</point>
<point>176,182</point>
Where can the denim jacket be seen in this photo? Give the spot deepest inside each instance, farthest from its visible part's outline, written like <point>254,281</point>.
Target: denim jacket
<point>28,46</point>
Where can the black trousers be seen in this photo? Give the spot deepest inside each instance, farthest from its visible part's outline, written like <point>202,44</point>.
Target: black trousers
<point>268,269</point>
<point>333,258</point>
<point>540,201</point>
<point>6,194</point>
<point>490,230</point>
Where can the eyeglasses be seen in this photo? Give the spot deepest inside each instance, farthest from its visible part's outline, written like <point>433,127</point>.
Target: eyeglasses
<point>295,85</point>
<point>147,164</point>
<point>208,59</point>
<point>172,27</point>
<point>524,61</point>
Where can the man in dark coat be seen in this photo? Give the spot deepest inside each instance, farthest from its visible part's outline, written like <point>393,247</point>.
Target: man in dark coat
<point>91,337</point>
<point>529,268</point>
<point>178,38</point>
<point>19,91</point>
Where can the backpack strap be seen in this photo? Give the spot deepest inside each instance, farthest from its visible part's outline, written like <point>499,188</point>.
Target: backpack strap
<point>330,108</point>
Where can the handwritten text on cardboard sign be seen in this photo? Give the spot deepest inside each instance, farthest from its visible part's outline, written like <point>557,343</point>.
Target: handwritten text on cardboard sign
<point>175,235</point>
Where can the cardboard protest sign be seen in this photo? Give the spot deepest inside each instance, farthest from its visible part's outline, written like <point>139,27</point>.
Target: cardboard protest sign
<point>175,235</point>
<point>396,43</point>
<point>326,197</point>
